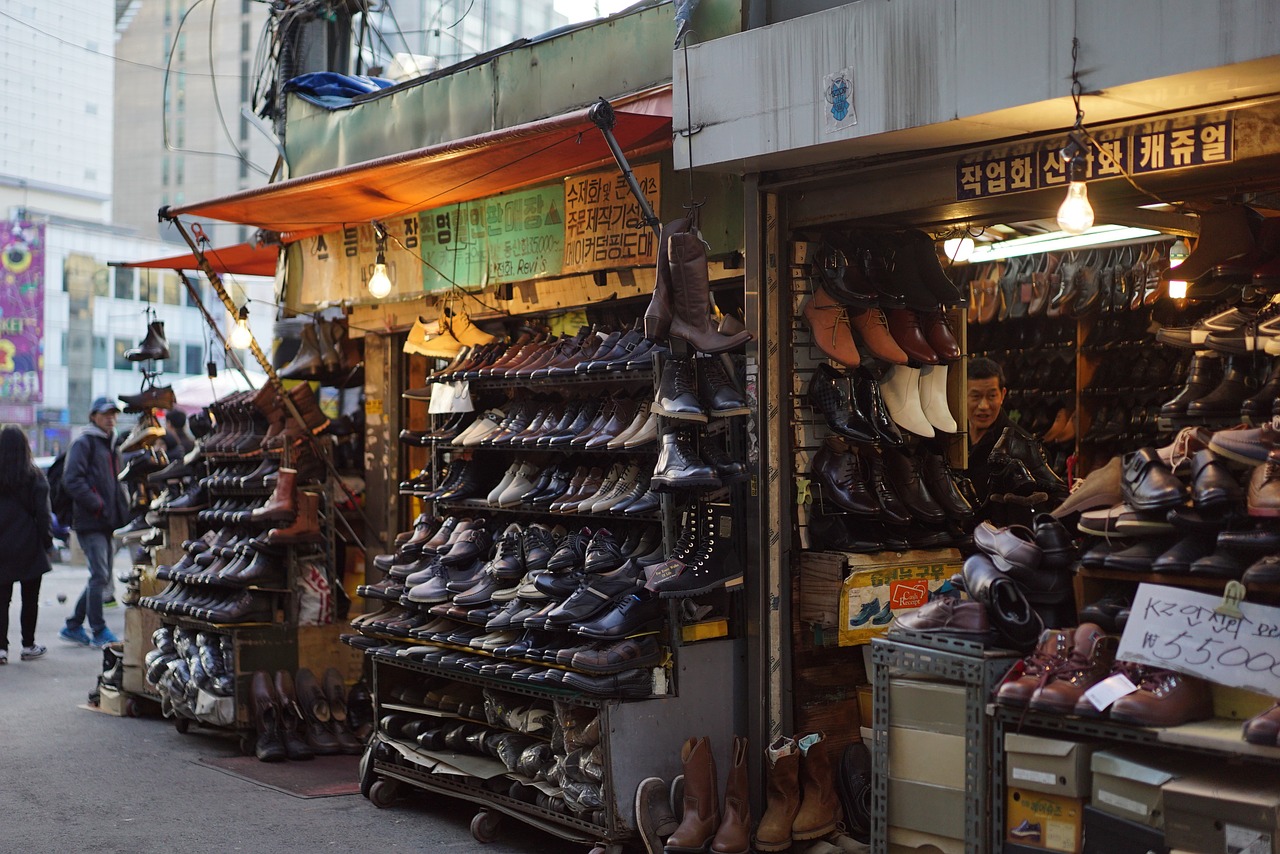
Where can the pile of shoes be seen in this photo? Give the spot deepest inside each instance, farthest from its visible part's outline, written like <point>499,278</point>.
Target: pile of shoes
<point>296,716</point>
<point>194,674</point>
<point>525,602</point>
<point>325,353</point>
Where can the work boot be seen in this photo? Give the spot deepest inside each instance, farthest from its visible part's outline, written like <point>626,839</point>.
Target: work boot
<point>306,524</point>
<point>1225,232</point>
<point>270,746</point>
<point>819,809</point>
<point>718,390</point>
<point>829,324</point>
<point>153,346</point>
<point>308,407</point>
<point>1228,396</point>
<point>281,506</point>
<point>691,295</point>
<point>1027,676</point>
<point>314,706</point>
<point>677,395</point>
<point>679,466</point>
<point>710,561</point>
<point>290,718</point>
<point>1089,661</point>
<point>782,794</point>
<point>339,724</point>
<point>701,816</point>
<point>734,835</point>
<point>306,363</point>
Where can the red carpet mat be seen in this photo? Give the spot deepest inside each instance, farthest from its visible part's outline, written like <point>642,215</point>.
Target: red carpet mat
<point>322,777</point>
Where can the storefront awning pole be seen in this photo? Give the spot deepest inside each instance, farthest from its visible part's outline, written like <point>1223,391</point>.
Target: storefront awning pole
<point>208,319</point>
<point>602,115</point>
<point>272,377</point>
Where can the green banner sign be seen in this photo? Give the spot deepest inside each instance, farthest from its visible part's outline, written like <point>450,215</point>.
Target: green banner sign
<point>509,238</point>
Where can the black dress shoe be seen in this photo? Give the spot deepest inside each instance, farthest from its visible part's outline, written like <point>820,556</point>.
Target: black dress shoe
<point>627,616</point>
<point>1223,563</point>
<point>1213,486</point>
<point>629,683</point>
<point>1177,559</point>
<point>832,396</point>
<point>1146,483</point>
<point>903,472</point>
<point>1137,557</point>
<point>841,532</point>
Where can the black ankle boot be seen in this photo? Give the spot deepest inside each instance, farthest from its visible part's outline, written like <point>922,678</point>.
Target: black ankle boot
<point>679,466</point>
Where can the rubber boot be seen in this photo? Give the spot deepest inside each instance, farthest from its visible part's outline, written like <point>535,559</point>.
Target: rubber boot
<point>153,346</point>
<point>933,398</point>
<point>734,835</point>
<point>901,393</point>
<point>315,714</point>
<point>339,724</point>
<point>691,296</point>
<point>270,746</point>
<point>820,809</point>
<point>701,805</point>
<point>782,794</point>
<point>306,363</point>
<point>281,506</point>
<point>291,722</point>
<point>305,527</point>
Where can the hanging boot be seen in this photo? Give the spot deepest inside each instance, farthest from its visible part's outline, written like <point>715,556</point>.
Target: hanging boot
<point>291,722</point>
<point>330,354</point>
<point>281,506</point>
<point>901,392</point>
<point>153,347</point>
<point>734,835</point>
<point>339,720</point>
<point>270,745</point>
<point>933,398</point>
<point>1225,232</point>
<point>315,714</point>
<point>783,796</point>
<point>306,363</point>
<point>305,527</point>
<point>701,816</point>
<point>691,295</point>
<point>830,329</point>
<point>819,810</point>
<point>657,316</point>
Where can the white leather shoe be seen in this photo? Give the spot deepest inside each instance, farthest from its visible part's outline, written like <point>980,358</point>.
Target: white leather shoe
<point>933,398</point>
<point>901,393</point>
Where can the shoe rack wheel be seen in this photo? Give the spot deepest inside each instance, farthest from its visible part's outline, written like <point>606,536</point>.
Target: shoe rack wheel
<point>485,825</point>
<point>182,724</point>
<point>247,746</point>
<point>383,792</point>
<point>130,708</point>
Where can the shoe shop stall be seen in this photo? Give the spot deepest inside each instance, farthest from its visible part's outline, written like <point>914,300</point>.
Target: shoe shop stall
<point>1032,633</point>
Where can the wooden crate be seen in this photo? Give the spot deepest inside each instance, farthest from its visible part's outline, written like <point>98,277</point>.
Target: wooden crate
<point>319,649</point>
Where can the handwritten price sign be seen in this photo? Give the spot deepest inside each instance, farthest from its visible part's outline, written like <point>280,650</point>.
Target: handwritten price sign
<point>1181,630</point>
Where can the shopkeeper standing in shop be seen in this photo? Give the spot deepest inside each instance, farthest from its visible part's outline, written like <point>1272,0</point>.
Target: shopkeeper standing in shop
<point>987,418</point>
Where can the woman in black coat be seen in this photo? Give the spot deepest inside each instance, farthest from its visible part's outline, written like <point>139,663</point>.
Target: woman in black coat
<point>26,531</point>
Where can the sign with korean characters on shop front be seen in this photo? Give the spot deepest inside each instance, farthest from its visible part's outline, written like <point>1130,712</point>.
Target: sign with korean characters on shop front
<point>513,237</point>
<point>603,226</point>
<point>21,312</point>
<point>336,266</point>
<point>1155,147</point>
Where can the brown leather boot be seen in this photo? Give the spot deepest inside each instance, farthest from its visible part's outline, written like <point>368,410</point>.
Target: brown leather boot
<point>1264,728</point>
<point>701,805</point>
<point>819,810</point>
<point>314,706</point>
<point>1164,698</point>
<point>657,316</point>
<point>1092,655</point>
<point>305,400</point>
<point>326,338</point>
<point>305,527</point>
<point>336,692</point>
<point>291,722</point>
<point>832,333</point>
<point>307,362</point>
<point>783,796</point>
<point>1026,676</point>
<point>734,835</point>
<point>281,506</point>
<point>691,296</point>
<point>270,746</point>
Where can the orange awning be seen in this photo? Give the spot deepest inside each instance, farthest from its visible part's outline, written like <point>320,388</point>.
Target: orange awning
<point>462,170</point>
<point>244,259</point>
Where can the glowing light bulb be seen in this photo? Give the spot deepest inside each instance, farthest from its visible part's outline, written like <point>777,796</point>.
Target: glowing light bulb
<point>240,337</point>
<point>1178,253</point>
<point>1075,216</point>
<point>1177,289</point>
<point>379,283</point>
<point>958,249</point>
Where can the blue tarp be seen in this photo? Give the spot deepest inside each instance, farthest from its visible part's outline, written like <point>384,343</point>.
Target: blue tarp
<point>333,91</point>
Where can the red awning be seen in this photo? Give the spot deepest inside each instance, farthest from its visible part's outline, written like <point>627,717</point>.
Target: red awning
<point>462,170</point>
<point>244,259</point>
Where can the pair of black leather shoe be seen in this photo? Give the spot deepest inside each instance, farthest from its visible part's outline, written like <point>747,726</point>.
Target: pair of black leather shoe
<point>852,405</point>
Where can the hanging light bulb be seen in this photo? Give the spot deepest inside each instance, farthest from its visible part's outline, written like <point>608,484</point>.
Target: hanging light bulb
<point>1178,253</point>
<point>958,249</point>
<point>379,283</point>
<point>1075,215</point>
<point>240,337</point>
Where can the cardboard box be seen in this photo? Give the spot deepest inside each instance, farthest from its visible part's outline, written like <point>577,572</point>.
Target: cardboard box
<point>865,707</point>
<point>1230,811</point>
<point>1105,833</point>
<point>139,625</point>
<point>320,649</point>
<point>903,841</point>
<point>1129,784</point>
<point>1041,820</point>
<point>882,587</point>
<point>1239,704</point>
<point>1051,765</point>
<point>926,757</point>
<point>932,706</point>
<point>112,701</point>
<point>930,809</point>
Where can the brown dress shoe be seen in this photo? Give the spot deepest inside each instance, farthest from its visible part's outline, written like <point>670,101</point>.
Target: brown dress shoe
<point>871,327</point>
<point>1264,728</point>
<point>832,333</point>
<point>1165,698</point>
<point>1264,488</point>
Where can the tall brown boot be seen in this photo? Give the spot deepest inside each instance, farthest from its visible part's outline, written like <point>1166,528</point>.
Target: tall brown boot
<point>291,722</point>
<point>266,719</point>
<point>307,362</point>
<point>734,835</point>
<point>657,317</point>
<point>691,296</point>
<point>783,795</point>
<point>308,407</point>
<point>819,810</point>
<point>701,805</point>
<point>330,357</point>
<point>314,706</point>
<point>305,527</point>
<point>282,505</point>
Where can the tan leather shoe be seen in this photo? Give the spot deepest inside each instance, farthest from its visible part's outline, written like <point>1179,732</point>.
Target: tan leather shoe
<point>832,332</point>
<point>871,327</point>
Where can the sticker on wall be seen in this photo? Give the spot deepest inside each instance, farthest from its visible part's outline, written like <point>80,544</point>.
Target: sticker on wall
<point>837,92</point>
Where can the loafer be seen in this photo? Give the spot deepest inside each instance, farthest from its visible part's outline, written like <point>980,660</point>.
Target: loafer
<point>1010,548</point>
<point>1213,486</point>
<point>1137,557</point>
<point>1177,559</point>
<point>1146,483</point>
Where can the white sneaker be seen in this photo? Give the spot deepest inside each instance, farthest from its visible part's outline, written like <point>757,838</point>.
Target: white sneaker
<point>32,652</point>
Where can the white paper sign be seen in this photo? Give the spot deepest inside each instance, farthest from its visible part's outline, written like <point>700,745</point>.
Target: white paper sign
<point>837,100</point>
<point>1180,630</point>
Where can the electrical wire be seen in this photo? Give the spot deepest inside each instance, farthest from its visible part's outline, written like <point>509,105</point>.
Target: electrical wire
<point>387,7</point>
<point>453,286</point>
<point>217,102</point>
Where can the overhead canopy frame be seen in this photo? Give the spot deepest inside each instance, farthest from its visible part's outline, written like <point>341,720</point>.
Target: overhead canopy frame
<point>242,259</point>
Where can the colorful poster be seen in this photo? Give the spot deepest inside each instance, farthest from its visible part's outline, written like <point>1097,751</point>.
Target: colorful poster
<point>21,312</point>
<point>603,228</point>
<point>513,237</point>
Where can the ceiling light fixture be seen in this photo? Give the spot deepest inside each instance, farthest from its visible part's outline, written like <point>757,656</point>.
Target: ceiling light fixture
<point>240,337</point>
<point>1060,241</point>
<point>379,282</point>
<point>1075,215</point>
<point>958,249</point>
<point>1178,253</point>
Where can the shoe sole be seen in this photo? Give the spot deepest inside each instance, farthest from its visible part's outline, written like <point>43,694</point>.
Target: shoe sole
<point>1232,454</point>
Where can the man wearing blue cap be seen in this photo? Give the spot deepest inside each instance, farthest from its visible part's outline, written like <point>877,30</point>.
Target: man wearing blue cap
<point>101,506</point>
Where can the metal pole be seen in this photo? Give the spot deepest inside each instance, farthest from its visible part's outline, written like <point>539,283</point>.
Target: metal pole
<point>603,117</point>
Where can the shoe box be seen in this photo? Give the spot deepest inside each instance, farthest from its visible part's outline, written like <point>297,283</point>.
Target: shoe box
<point>926,763</point>
<point>1042,821</point>
<point>112,701</point>
<point>139,624</point>
<point>1227,811</point>
<point>1129,784</point>
<point>1105,833</point>
<point>1054,766</point>
<point>877,591</point>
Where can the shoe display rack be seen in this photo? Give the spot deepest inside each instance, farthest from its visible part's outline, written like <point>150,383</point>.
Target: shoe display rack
<point>933,660</point>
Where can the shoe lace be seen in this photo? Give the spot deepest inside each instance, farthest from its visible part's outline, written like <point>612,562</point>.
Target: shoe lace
<point>682,378</point>
<point>1180,452</point>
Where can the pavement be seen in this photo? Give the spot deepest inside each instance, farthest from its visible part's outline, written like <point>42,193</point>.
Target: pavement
<point>75,779</point>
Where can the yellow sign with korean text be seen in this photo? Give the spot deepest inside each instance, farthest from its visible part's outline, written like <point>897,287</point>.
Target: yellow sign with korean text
<point>874,596</point>
<point>603,226</point>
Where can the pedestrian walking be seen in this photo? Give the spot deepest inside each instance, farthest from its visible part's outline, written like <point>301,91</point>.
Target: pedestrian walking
<point>26,529</point>
<point>101,506</point>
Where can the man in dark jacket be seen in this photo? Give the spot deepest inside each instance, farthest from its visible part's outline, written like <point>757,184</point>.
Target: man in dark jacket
<point>100,507</point>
